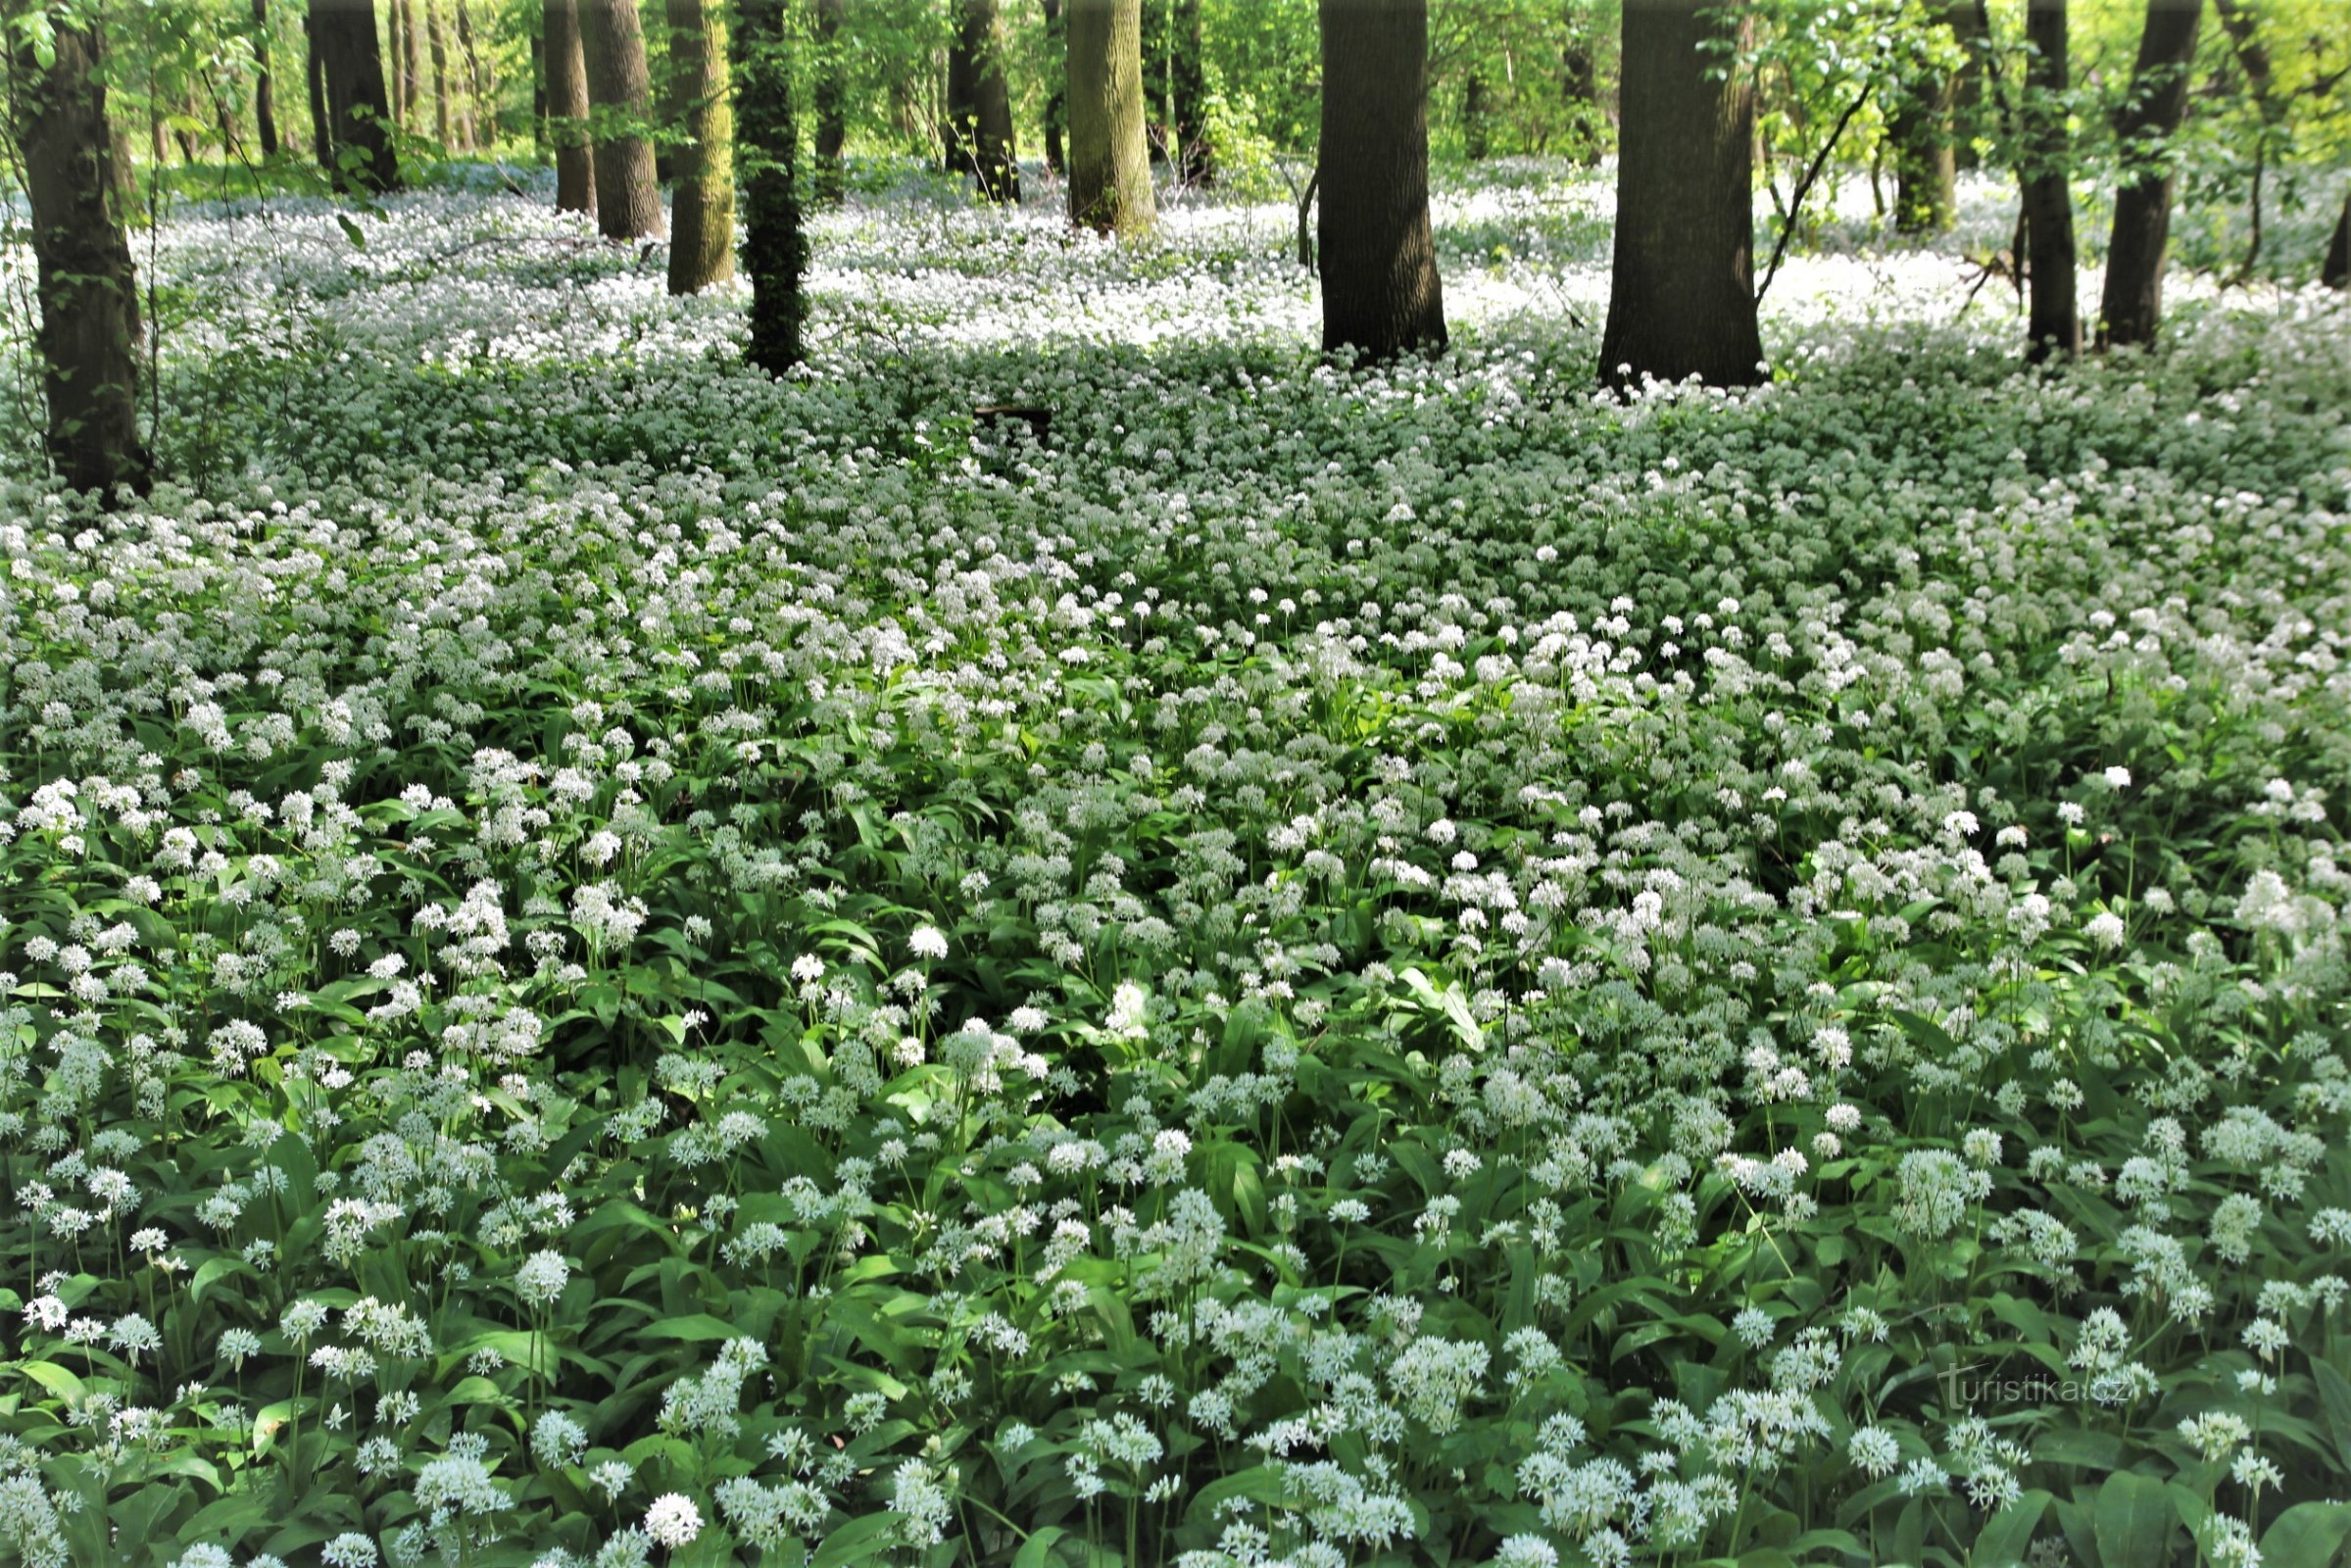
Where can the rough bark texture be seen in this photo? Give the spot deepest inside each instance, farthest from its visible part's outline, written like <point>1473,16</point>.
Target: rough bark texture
<point>832,103</point>
<point>265,85</point>
<point>2132,307</point>
<point>2337,272</point>
<point>89,331</point>
<point>1376,253</point>
<point>628,192</point>
<point>702,209</point>
<point>775,251</point>
<point>357,112</point>
<point>1057,74</point>
<point>567,110</point>
<point>1109,158</point>
<point>2053,326</point>
<point>979,105</point>
<point>1682,290</point>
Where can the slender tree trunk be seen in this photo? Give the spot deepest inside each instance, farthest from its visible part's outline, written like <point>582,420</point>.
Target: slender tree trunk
<point>1109,158</point>
<point>1682,290</point>
<point>359,111</point>
<point>980,105</point>
<point>1926,137</point>
<point>2054,315</point>
<point>483,113</point>
<point>2244,39</point>
<point>412,65</point>
<point>2337,272</point>
<point>1579,88</point>
<point>774,248</point>
<point>1381,295</point>
<point>628,193</point>
<point>1187,96</point>
<point>539,134</point>
<point>567,109</point>
<point>2132,307</point>
<point>446,124</point>
<point>314,72</point>
<point>1057,74</point>
<point>89,332</point>
<point>264,87</point>
<point>832,103</point>
<point>1477,119</point>
<point>702,211</point>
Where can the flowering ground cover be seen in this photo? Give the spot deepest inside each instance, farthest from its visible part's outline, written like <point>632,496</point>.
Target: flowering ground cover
<point>612,961</point>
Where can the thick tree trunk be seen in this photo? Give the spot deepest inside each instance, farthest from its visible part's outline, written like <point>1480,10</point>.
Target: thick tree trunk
<point>2132,307</point>
<point>980,105</point>
<point>1056,75</point>
<point>774,249</point>
<point>567,110</point>
<point>832,103</point>
<point>628,193</point>
<point>702,210</point>
<point>1682,290</point>
<point>264,87</point>
<point>2054,315</point>
<point>1377,255</point>
<point>1109,158</point>
<point>358,111</point>
<point>89,331</point>
<point>2337,272</point>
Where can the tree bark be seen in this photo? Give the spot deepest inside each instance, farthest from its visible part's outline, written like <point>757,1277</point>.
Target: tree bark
<point>1109,158</point>
<point>483,113</point>
<point>1925,136</point>
<point>567,110</point>
<point>1187,96</point>
<point>314,72</point>
<point>702,209</point>
<point>774,248</point>
<point>979,105</point>
<point>2337,272</point>
<point>447,125</point>
<point>628,192</point>
<point>1375,250</point>
<point>1682,290</point>
<point>358,111</point>
<point>2132,307</point>
<point>412,64</point>
<point>265,89</point>
<point>2053,326</point>
<point>89,331</point>
<point>832,103</point>
<point>1056,75</point>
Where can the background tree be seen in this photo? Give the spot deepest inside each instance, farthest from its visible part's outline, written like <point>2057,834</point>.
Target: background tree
<point>89,331</point>
<point>776,250</point>
<point>1057,76</point>
<point>1110,159</point>
<point>1176,89</point>
<point>408,66</point>
<point>1922,125</point>
<point>356,110</point>
<point>1682,279</point>
<point>567,67</point>
<point>702,210</point>
<point>2133,305</point>
<point>2053,325</point>
<point>832,101</point>
<point>979,104</point>
<point>1381,295</point>
<point>265,92</point>
<point>628,193</point>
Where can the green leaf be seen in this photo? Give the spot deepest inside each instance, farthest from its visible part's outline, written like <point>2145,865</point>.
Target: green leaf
<point>857,1541</point>
<point>2335,1403</point>
<point>2132,1520</point>
<point>2309,1535</point>
<point>351,231</point>
<point>1037,1550</point>
<point>2007,1535</point>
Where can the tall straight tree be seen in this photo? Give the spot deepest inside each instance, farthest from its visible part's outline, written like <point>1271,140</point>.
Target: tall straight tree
<point>979,104</point>
<point>1923,128</point>
<point>314,74</point>
<point>358,140</point>
<point>265,87</point>
<point>776,250</point>
<point>1109,158</point>
<point>89,331</point>
<point>2335,270</point>
<point>628,192</point>
<point>2053,315</point>
<point>450,122</point>
<point>1056,77</point>
<point>702,211</point>
<point>832,102</point>
<point>567,109</point>
<point>2133,305</point>
<point>1381,296</point>
<point>1682,281</point>
<point>411,82</point>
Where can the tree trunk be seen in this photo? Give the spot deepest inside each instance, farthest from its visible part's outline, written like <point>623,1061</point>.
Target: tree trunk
<point>832,103</point>
<point>412,64</point>
<point>2337,272</point>
<point>483,113</point>
<point>1681,289</point>
<point>265,89</point>
<point>89,332</point>
<point>702,210</point>
<point>1109,158</point>
<point>1381,296</point>
<point>2054,317</point>
<point>314,72</point>
<point>1477,118</point>
<point>979,105</point>
<point>2133,306</point>
<point>567,110</point>
<point>1056,75</point>
<point>358,111</point>
<point>538,90</point>
<point>1579,88</point>
<point>774,249</point>
<point>628,193</point>
<point>1187,96</point>
<point>446,124</point>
